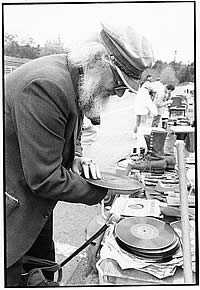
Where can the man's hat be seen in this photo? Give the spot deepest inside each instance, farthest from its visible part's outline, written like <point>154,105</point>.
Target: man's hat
<point>130,52</point>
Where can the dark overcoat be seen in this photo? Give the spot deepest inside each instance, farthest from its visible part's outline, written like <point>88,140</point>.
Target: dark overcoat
<point>41,129</point>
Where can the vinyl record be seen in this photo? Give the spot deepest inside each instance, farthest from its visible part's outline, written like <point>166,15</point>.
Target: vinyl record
<point>152,254</point>
<point>162,258</point>
<point>144,233</point>
<point>165,251</point>
<point>158,252</point>
<point>113,181</point>
<point>158,257</point>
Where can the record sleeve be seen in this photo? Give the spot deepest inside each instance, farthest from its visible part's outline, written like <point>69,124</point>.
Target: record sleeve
<point>131,207</point>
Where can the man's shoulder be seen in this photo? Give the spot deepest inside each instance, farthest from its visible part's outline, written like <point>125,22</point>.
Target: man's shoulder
<point>51,67</point>
<point>51,62</point>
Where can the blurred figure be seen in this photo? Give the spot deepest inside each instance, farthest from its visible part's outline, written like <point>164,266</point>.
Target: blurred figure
<point>147,80</point>
<point>147,83</point>
<point>89,136</point>
<point>144,109</point>
<point>144,106</point>
<point>162,100</point>
<point>157,85</point>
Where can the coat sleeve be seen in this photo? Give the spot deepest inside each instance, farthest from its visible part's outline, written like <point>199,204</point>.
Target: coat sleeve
<point>40,125</point>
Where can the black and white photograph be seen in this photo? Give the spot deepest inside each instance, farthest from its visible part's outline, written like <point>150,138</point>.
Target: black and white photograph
<point>99,106</point>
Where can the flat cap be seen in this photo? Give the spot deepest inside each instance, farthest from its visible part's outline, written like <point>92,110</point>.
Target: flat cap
<point>130,52</point>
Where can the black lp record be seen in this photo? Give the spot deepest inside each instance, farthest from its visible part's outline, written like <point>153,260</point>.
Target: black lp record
<point>144,233</point>
<point>113,181</point>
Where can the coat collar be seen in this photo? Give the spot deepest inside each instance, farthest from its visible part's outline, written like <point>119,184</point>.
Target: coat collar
<point>76,73</point>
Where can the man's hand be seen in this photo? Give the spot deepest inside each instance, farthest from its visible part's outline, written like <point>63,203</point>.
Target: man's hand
<point>84,165</point>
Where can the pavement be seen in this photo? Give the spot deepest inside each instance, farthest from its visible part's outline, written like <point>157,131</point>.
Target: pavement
<point>70,222</point>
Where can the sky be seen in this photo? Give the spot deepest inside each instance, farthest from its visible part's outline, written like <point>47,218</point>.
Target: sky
<point>169,26</point>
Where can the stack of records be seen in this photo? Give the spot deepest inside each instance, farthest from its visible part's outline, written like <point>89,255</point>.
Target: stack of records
<point>147,238</point>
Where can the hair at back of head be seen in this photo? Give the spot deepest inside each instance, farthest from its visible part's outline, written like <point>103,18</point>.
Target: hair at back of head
<point>87,54</point>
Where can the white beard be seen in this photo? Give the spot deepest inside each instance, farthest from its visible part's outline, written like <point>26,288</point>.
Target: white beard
<point>92,97</point>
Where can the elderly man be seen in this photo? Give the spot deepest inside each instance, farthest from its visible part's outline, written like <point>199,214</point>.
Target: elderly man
<point>45,102</point>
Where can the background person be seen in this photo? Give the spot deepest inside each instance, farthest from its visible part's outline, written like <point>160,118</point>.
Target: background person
<point>162,101</point>
<point>147,83</point>
<point>144,106</point>
<point>89,136</point>
<point>157,85</point>
<point>45,102</point>
<point>147,80</point>
<point>144,109</point>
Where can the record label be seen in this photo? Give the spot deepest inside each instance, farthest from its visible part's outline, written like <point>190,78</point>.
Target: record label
<point>136,206</point>
<point>144,231</point>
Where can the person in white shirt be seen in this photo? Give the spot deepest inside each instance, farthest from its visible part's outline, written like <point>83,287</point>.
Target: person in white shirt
<point>162,100</point>
<point>144,106</point>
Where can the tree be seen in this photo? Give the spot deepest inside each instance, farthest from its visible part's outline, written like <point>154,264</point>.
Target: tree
<point>22,49</point>
<point>155,71</point>
<point>168,75</point>
<point>191,72</point>
<point>159,65</point>
<point>186,73</point>
<point>11,45</point>
<point>53,47</point>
